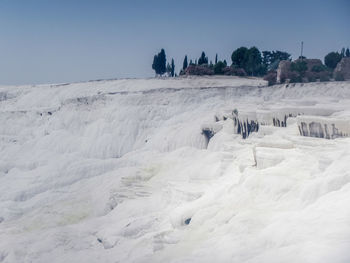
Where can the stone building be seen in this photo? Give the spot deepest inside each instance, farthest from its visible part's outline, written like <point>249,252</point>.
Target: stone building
<point>343,67</point>
<point>284,68</point>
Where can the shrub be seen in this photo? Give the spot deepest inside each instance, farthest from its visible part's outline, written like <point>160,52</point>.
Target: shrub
<point>240,72</point>
<point>232,71</point>
<point>299,66</point>
<point>311,76</point>
<point>294,77</point>
<point>218,68</point>
<point>199,70</point>
<point>324,76</point>
<point>318,68</point>
<point>271,77</point>
<point>338,76</point>
<point>283,78</point>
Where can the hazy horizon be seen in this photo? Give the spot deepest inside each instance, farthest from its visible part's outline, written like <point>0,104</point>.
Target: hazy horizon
<point>66,41</point>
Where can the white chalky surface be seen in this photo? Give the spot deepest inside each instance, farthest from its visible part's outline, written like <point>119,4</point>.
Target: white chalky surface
<point>119,171</point>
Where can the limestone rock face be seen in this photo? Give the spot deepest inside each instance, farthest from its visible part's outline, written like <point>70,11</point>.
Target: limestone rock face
<point>343,67</point>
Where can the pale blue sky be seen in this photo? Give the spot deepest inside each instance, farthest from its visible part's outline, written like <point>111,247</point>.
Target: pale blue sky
<point>51,41</point>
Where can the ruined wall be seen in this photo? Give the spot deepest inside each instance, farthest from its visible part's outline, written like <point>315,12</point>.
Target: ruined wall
<point>284,72</point>
<point>343,67</point>
<point>283,69</point>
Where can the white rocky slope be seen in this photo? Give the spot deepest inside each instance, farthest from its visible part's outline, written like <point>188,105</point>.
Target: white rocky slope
<point>121,171</point>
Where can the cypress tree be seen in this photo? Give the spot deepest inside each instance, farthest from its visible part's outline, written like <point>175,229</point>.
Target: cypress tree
<point>159,63</point>
<point>162,62</point>
<point>155,63</point>
<point>185,64</point>
<point>172,68</point>
<point>216,58</point>
<point>203,59</point>
<point>342,53</point>
<point>347,53</point>
<point>168,69</point>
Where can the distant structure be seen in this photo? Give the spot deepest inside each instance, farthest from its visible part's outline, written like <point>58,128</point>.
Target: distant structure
<point>312,63</point>
<point>284,71</point>
<point>343,67</point>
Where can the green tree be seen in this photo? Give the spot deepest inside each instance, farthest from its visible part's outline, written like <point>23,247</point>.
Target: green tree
<point>332,59</point>
<point>155,64</point>
<point>342,53</point>
<point>250,60</point>
<point>253,61</point>
<point>185,64</point>
<point>271,59</point>
<point>280,55</point>
<point>239,57</point>
<point>300,67</point>
<point>203,59</point>
<point>347,53</point>
<point>216,58</point>
<point>172,68</point>
<point>168,69</point>
<point>266,58</point>
<point>159,62</point>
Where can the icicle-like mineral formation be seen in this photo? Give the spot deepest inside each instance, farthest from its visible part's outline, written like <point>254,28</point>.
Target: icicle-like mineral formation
<point>323,127</point>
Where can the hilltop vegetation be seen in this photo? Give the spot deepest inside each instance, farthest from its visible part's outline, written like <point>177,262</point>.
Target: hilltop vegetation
<point>252,62</point>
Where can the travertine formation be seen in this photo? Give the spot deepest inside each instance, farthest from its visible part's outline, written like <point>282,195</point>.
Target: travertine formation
<point>323,127</point>
<point>311,122</point>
